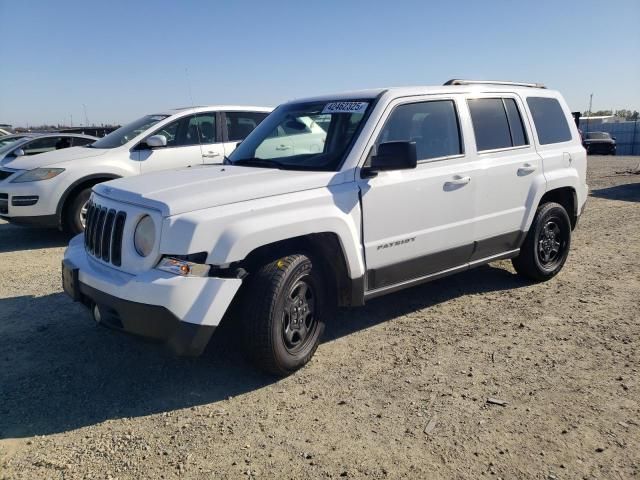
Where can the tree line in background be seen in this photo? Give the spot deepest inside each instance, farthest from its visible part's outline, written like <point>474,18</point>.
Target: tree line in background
<point>624,113</point>
<point>62,125</point>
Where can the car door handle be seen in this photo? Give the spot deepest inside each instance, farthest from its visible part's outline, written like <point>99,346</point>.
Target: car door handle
<point>283,147</point>
<point>526,169</point>
<point>457,181</point>
<point>210,155</point>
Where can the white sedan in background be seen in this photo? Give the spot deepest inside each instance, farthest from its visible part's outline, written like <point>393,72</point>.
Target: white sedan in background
<point>52,189</point>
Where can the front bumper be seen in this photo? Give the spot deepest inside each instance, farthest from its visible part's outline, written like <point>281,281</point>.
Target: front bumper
<point>32,203</point>
<point>180,311</point>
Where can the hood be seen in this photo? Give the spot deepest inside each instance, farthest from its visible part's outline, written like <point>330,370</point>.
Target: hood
<point>186,190</point>
<point>51,158</point>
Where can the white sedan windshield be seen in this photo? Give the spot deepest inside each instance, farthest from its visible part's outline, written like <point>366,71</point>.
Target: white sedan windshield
<point>128,132</point>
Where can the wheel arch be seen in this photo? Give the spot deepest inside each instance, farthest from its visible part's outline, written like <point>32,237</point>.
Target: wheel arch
<point>565,196</point>
<point>324,247</point>
<point>77,186</point>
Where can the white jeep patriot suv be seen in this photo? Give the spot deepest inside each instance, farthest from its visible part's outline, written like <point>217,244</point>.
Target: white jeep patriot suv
<point>52,189</point>
<point>402,186</point>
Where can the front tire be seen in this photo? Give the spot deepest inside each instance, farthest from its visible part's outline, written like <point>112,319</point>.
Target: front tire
<point>284,312</point>
<point>546,247</point>
<point>74,215</point>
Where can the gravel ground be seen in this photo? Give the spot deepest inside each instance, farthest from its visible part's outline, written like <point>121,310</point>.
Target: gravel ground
<point>398,389</point>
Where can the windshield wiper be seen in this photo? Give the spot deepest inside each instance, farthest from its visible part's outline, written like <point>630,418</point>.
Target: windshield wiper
<point>258,162</point>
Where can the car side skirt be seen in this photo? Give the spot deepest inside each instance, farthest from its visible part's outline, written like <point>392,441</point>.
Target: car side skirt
<point>370,294</point>
<point>437,265</point>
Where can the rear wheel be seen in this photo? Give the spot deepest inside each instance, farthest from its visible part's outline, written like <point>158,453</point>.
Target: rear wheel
<point>75,214</point>
<point>546,247</point>
<point>285,307</point>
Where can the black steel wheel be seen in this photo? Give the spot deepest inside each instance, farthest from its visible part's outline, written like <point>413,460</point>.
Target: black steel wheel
<point>546,247</point>
<point>284,307</point>
<point>299,315</point>
<point>552,242</point>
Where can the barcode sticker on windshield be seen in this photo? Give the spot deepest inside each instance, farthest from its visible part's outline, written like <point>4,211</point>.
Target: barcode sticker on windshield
<point>345,107</point>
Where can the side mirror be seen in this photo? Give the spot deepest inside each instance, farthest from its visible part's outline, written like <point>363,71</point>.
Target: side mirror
<point>295,124</point>
<point>18,152</point>
<point>613,138</point>
<point>392,156</point>
<point>156,141</point>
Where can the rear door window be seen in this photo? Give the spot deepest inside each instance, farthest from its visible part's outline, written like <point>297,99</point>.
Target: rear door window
<point>518,135</point>
<point>490,123</point>
<point>549,119</point>
<point>497,123</point>
<point>241,124</point>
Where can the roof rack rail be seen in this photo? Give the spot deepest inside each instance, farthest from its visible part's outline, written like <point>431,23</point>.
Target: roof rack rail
<point>458,81</point>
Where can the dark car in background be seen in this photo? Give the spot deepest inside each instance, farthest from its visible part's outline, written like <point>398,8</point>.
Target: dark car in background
<point>35,143</point>
<point>600,143</point>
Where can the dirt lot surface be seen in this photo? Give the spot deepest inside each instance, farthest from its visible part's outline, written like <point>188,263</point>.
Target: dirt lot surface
<point>398,389</point>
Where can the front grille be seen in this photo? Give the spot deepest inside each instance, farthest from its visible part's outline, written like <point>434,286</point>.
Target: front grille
<point>4,203</point>
<point>103,233</point>
<point>4,174</point>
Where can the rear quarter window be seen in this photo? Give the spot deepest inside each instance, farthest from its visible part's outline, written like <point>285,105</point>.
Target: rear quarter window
<point>549,119</point>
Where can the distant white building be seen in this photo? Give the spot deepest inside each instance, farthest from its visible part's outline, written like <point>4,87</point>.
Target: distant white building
<point>600,119</point>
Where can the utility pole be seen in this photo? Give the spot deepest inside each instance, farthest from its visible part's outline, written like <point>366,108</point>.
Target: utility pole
<point>590,103</point>
<point>86,118</point>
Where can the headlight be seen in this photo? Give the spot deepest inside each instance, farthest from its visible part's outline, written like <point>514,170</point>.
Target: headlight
<point>37,175</point>
<point>144,237</point>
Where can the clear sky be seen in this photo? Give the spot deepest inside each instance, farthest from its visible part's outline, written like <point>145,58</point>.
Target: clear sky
<point>123,59</point>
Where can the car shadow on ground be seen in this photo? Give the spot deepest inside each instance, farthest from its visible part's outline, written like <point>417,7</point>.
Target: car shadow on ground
<point>14,238</point>
<point>59,371</point>
<point>629,192</point>
<point>480,280</point>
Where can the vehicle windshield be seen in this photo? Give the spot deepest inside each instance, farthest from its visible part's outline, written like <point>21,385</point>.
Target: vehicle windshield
<point>303,136</point>
<point>598,136</point>
<point>6,141</point>
<point>128,132</point>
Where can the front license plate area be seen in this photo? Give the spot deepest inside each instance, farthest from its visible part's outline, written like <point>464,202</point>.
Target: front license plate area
<point>70,282</point>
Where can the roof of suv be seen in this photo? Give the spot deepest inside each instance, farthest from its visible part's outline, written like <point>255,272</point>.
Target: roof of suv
<point>429,89</point>
<point>209,108</point>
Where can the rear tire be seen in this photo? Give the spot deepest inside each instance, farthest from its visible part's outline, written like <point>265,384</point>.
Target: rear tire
<point>284,312</point>
<point>546,247</point>
<point>74,215</point>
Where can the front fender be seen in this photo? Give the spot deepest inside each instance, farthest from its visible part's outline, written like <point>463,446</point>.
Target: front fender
<point>229,233</point>
<point>88,178</point>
